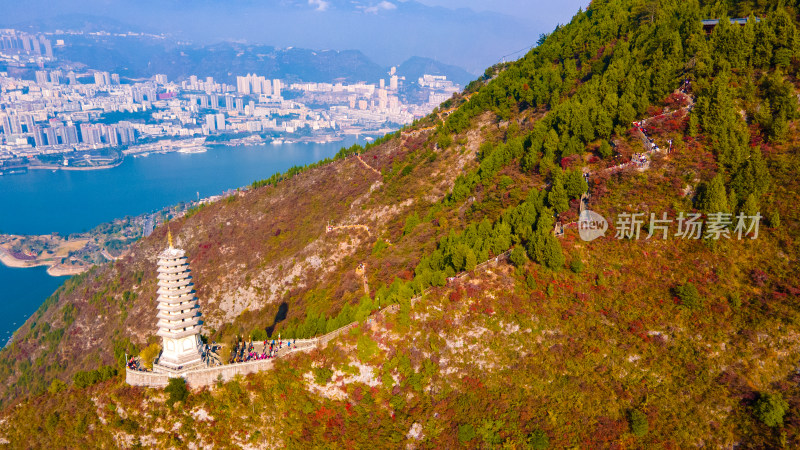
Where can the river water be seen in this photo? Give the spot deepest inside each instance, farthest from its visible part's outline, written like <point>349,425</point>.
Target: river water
<point>42,202</point>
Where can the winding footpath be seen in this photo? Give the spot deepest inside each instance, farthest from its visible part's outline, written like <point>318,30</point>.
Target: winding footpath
<point>377,172</point>
<point>640,161</point>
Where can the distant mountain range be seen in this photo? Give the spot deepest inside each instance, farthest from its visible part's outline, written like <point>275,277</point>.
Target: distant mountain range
<point>138,57</point>
<point>386,31</point>
<point>144,56</point>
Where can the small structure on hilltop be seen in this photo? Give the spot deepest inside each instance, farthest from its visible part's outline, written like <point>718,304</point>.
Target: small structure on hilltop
<point>710,24</point>
<point>179,315</point>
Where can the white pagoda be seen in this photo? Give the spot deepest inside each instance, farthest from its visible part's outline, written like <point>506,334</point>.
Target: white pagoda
<point>179,321</point>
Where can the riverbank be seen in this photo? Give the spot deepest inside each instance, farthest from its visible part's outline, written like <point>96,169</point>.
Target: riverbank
<point>10,261</point>
<point>76,168</point>
<point>60,270</point>
<point>58,250</point>
<point>186,146</point>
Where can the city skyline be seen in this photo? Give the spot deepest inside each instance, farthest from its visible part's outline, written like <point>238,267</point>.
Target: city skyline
<point>69,112</point>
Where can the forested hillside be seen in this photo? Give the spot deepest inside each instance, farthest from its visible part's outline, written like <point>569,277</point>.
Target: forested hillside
<point>635,341</point>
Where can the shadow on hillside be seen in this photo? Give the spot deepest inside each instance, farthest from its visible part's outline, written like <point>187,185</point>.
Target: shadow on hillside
<point>280,316</point>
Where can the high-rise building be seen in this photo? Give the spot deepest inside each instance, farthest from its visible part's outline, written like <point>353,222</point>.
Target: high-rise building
<point>73,79</point>
<point>393,82</point>
<point>37,50</point>
<point>52,138</point>
<point>55,77</point>
<point>16,125</point>
<point>276,88</point>
<point>6,123</point>
<point>41,77</point>
<point>221,122</point>
<point>38,136</point>
<point>115,78</point>
<point>256,84</point>
<point>102,78</point>
<point>27,122</point>
<point>87,137</point>
<point>48,48</point>
<point>239,104</point>
<point>161,78</point>
<point>228,102</point>
<point>61,134</point>
<point>210,122</point>
<point>243,85</point>
<point>72,134</point>
<point>214,102</point>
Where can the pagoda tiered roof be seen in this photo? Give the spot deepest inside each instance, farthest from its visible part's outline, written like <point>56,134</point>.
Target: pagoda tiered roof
<point>168,291</point>
<point>177,335</point>
<point>179,314</point>
<point>177,300</point>
<point>173,269</point>
<point>179,324</point>
<point>182,314</point>
<point>174,276</point>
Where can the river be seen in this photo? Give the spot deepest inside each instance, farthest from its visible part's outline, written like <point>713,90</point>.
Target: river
<point>43,201</point>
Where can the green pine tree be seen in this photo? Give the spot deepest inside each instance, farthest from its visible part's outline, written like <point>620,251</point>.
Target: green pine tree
<point>605,150</point>
<point>553,256</point>
<point>750,207</point>
<point>575,184</point>
<point>714,199</point>
<point>557,198</point>
<point>470,261</point>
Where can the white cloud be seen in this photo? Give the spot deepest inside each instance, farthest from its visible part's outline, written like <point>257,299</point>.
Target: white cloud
<point>382,6</point>
<point>321,5</point>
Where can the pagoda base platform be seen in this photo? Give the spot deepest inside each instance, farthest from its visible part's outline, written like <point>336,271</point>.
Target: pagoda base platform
<point>169,369</point>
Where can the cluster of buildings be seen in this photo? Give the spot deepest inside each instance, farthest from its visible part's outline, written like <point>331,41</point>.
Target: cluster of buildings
<point>439,87</point>
<point>20,45</point>
<point>46,116</point>
<point>61,108</point>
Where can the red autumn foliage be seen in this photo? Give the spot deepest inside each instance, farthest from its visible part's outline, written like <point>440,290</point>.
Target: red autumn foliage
<point>759,277</point>
<point>569,161</point>
<point>406,275</point>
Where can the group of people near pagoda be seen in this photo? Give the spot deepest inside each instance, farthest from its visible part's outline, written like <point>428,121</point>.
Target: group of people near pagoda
<point>246,351</point>
<point>207,351</point>
<point>133,364</point>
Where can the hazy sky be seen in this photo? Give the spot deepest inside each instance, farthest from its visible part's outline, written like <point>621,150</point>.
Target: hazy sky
<point>541,10</point>
<point>473,34</point>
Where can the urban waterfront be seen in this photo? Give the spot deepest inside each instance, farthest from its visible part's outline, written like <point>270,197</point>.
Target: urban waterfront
<point>42,202</point>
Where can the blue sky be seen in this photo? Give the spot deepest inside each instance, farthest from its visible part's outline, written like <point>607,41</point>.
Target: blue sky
<point>544,11</point>
<point>472,34</point>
